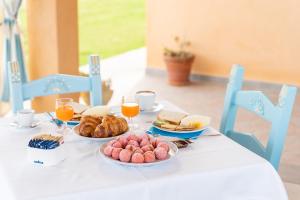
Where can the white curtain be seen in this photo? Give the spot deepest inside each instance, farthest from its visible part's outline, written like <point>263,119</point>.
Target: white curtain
<point>12,50</point>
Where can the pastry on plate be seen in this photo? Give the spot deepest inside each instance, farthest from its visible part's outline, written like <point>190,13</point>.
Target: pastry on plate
<point>110,126</point>
<point>102,127</point>
<point>88,125</point>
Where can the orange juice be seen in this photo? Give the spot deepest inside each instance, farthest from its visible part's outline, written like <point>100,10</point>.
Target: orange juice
<point>64,113</point>
<point>130,109</point>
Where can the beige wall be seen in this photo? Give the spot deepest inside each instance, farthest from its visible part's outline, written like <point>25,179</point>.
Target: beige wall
<point>53,43</point>
<point>262,35</point>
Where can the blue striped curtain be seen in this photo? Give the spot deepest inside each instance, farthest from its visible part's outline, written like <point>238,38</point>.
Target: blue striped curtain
<point>12,44</point>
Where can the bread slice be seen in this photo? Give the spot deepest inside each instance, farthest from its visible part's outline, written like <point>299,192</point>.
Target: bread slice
<point>78,108</point>
<point>169,126</point>
<point>171,116</point>
<point>98,111</point>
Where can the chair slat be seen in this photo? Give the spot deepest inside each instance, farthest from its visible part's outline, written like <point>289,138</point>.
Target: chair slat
<point>56,84</point>
<point>256,102</point>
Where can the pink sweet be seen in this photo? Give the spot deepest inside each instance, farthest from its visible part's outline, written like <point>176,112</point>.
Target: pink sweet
<point>149,156</point>
<point>137,150</point>
<point>117,144</point>
<point>164,145</point>
<point>133,137</point>
<point>154,142</point>
<point>144,136</point>
<point>125,155</point>
<point>160,153</point>
<point>148,147</point>
<point>137,158</point>
<point>133,143</point>
<point>129,147</point>
<point>110,143</point>
<point>144,142</point>
<point>115,153</point>
<point>123,140</point>
<point>108,150</point>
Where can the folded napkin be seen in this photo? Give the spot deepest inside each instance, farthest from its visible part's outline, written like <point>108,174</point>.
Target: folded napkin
<point>192,135</point>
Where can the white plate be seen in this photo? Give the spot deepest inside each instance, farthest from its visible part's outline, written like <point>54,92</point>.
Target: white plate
<point>75,129</point>
<point>172,153</point>
<point>171,131</point>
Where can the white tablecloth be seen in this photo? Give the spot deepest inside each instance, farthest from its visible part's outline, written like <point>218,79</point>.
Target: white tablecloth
<point>213,167</point>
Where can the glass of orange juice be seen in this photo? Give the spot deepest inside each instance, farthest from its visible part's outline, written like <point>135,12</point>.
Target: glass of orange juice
<point>130,109</point>
<point>64,111</point>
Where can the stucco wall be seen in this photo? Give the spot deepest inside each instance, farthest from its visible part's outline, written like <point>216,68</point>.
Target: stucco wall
<point>264,36</point>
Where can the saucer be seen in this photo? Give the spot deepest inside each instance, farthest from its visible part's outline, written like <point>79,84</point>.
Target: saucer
<point>156,108</point>
<point>116,110</point>
<point>33,125</point>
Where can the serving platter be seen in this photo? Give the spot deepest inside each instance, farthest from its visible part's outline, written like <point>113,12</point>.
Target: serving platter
<point>75,130</point>
<point>171,155</point>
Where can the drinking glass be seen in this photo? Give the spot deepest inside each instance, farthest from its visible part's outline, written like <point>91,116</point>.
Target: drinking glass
<point>64,112</point>
<point>130,108</point>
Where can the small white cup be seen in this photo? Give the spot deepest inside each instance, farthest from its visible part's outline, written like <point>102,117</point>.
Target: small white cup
<point>145,99</point>
<point>25,117</point>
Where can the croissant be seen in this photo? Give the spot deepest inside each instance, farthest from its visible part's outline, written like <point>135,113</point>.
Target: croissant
<point>110,126</point>
<point>88,125</point>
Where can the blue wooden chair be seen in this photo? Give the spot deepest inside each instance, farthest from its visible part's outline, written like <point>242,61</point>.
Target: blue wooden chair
<point>255,101</point>
<point>55,84</point>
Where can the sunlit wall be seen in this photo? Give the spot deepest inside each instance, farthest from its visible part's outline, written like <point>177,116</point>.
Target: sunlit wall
<point>261,35</point>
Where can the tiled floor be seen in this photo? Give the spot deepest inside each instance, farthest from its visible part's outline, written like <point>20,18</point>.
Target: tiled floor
<point>206,96</point>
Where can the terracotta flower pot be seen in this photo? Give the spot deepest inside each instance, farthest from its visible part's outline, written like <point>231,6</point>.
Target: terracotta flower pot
<point>179,69</point>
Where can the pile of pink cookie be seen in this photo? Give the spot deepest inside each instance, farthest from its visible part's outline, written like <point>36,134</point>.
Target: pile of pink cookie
<point>137,149</point>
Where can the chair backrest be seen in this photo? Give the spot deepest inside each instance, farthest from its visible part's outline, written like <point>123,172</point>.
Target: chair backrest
<point>255,101</point>
<point>55,84</point>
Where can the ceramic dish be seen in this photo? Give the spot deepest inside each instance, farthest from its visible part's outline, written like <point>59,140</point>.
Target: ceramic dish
<point>189,135</point>
<point>173,131</point>
<point>171,155</point>
<point>76,132</point>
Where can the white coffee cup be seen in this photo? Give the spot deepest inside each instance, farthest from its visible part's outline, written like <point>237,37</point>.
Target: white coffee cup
<point>145,99</point>
<point>25,117</point>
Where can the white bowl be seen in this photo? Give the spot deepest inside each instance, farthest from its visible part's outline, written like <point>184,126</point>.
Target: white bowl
<point>46,157</point>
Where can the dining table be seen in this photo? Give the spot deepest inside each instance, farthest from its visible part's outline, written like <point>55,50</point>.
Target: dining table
<point>212,167</point>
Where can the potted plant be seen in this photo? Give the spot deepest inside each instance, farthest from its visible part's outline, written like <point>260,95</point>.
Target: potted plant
<point>179,62</point>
